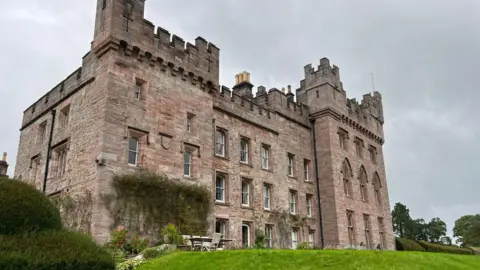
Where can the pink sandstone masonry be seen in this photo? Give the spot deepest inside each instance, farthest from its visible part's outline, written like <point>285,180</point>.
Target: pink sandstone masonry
<point>147,84</point>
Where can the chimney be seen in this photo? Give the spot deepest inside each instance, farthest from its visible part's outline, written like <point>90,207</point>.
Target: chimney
<point>243,87</point>
<point>290,95</point>
<point>4,158</point>
<point>3,165</point>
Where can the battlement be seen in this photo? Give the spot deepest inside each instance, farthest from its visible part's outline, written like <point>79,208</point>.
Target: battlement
<point>201,58</point>
<point>324,74</point>
<point>369,106</point>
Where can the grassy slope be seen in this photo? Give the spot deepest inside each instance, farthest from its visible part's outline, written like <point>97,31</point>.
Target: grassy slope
<point>312,259</point>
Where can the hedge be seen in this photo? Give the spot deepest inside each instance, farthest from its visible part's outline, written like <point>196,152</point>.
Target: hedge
<point>52,250</point>
<point>444,248</point>
<point>25,209</point>
<point>408,245</point>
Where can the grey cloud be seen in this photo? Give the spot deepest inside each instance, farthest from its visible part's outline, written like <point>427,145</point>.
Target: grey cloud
<point>423,54</point>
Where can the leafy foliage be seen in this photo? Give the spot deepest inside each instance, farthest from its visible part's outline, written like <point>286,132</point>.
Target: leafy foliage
<point>131,264</point>
<point>401,219</point>
<point>25,209</point>
<point>172,235</point>
<point>145,202</point>
<point>76,211</point>
<point>284,221</point>
<point>430,247</point>
<point>53,250</point>
<point>466,232</point>
<point>152,253</point>
<point>408,245</point>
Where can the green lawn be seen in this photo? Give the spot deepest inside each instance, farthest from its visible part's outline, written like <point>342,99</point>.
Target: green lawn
<point>312,259</point>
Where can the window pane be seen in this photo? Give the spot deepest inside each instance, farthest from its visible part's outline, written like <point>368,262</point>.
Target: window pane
<point>186,160</point>
<point>132,158</point>
<point>132,144</point>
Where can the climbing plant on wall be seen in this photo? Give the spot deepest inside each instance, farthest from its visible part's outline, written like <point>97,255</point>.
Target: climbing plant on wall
<point>145,202</point>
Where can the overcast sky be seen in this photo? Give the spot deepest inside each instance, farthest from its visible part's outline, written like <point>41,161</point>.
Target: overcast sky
<point>424,55</point>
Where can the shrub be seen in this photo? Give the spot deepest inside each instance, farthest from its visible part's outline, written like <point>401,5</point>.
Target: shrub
<point>152,253</point>
<point>53,250</point>
<point>408,245</point>
<point>25,209</point>
<point>303,245</point>
<point>444,248</point>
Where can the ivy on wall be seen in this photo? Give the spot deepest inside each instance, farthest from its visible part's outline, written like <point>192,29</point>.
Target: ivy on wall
<point>146,202</point>
<point>75,210</point>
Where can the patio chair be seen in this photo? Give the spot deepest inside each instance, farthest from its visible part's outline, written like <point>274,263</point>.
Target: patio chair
<point>209,246</point>
<point>197,245</point>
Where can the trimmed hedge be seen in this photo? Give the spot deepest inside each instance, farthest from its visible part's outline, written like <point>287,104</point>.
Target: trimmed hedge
<point>152,253</point>
<point>53,250</point>
<point>408,245</point>
<point>25,209</point>
<point>444,248</point>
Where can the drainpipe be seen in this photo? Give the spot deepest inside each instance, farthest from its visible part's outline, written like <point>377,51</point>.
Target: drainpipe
<point>318,184</point>
<point>49,150</point>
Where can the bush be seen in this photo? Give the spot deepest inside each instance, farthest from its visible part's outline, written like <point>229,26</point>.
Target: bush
<point>152,253</point>
<point>444,248</point>
<point>408,245</point>
<point>25,209</point>
<point>53,250</point>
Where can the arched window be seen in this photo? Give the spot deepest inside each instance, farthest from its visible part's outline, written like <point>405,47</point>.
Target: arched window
<point>377,185</point>
<point>220,143</point>
<point>351,228</point>
<point>347,176</point>
<point>362,177</point>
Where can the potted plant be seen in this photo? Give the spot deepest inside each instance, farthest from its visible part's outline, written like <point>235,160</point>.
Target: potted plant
<point>171,236</point>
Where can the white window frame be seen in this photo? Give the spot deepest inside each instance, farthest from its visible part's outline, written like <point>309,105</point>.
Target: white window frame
<point>133,151</point>
<point>265,157</point>
<point>222,188</point>
<point>306,171</point>
<point>248,233</point>
<point>293,202</point>
<point>266,197</point>
<point>138,91</point>
<point>220,138</point>
<point>187,163</point>
<point>309,206</point>
<point>246,194</point>
<point>244,151</point>
<point>294,239</point>
<point>268,236</point>
<point>290,165</point>
<point>223,227</point>
<point>189,123</point>
<point>311,238</point>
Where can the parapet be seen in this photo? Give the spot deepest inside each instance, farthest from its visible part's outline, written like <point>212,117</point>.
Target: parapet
<point>324,74</point>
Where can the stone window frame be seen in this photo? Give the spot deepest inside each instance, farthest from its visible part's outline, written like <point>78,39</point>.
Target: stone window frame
<point>269,236</point>
<point>225,178</point>
<point>367,230</point>
<point>64,116</point>
<point>351,227</point>
<point>347,176</point>
<point>190,123</point>
<point>224,133</point>
<point>377,186</point>
<point>293,194</point>
<point>269,187</point>
<point>372,150</point>
<point>381,232</point>
<point>359,145</point>
<point>311,238</point>
<point>60,158</point>
<point>139,89</point>
<point>266,148</point>
<point>295,231</point>
<point>224,222</point>
<point>291,167</point>
<point>250,227</point>
<point>142,140</point>
<point>247,152</point>
<point>363,182</point>
<point>343,138</point>
<point>41,132</point>
<point>35,160</point>
<point>309,198</point>
<point>249,183</point>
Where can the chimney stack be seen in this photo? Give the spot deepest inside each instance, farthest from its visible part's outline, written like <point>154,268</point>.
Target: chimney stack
<point>243,87</point>
<point>3,165</point>
<point>290,95</point>
<point>4,158</point>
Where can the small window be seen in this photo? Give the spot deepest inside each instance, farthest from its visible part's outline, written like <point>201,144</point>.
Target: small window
<point>244,150</point>
<point>187,163</point>
<point>220,188</point>
<point>42,130</point>
<point>265,157</point>
<point>220,143</point>
<point>189,123</point>
<point>138,90</point>
<point>290,165</point>
<point>133,151</point>
<point>268,236</point>
<point>306,170</point>
<point>61,160</point>
<point>309,205</point>
<point>359,147</point>
<point>266,197</point>
<point>293,202</point>
<point>64,116</point>
<point>246,193</point>
<point>104,4</point>
<point>373,154</point>
<point>343,138</point>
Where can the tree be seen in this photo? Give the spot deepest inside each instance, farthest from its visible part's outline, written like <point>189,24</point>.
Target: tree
<point>417,229</point>
<point>463,229</point>
<point>472,236</point>
<point>401,219</point>
<point>436,229</point>
<point>446,240</point>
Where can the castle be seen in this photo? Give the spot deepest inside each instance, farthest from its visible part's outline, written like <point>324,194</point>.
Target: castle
<point>144,98</point>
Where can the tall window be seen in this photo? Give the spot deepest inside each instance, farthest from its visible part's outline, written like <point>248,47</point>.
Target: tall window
<point>363,184</point>
<point>245,235</point>
<point>220,143</point>
<point>268,236</point>
<point>189,123</point>
<point>138,90</point>
<point>290,165</point>
<point>342,138</point>
<point>346,175</point>
<point>64,116</point>
<point>381,231</point>
<point>244,151</point>
<point>373,154</point>
<point>293,202</point>
<point>42,130</point>
<point>245,193</point>
<point>265,155</point>
<point>351,227</point>
<point>61,160</point>
<point>359,147</point>
<point>220,188</point>
<point>376,189</point>
<point>221,227</point>
<point>294,238</point>
<point>187,163</point>
<point>309,205</point>
<point>306,165</point>
<point>368,236</point>
<point>311,238</point>
<point>35,163</point>
<point>133,151</point>
<point>266,197</point>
